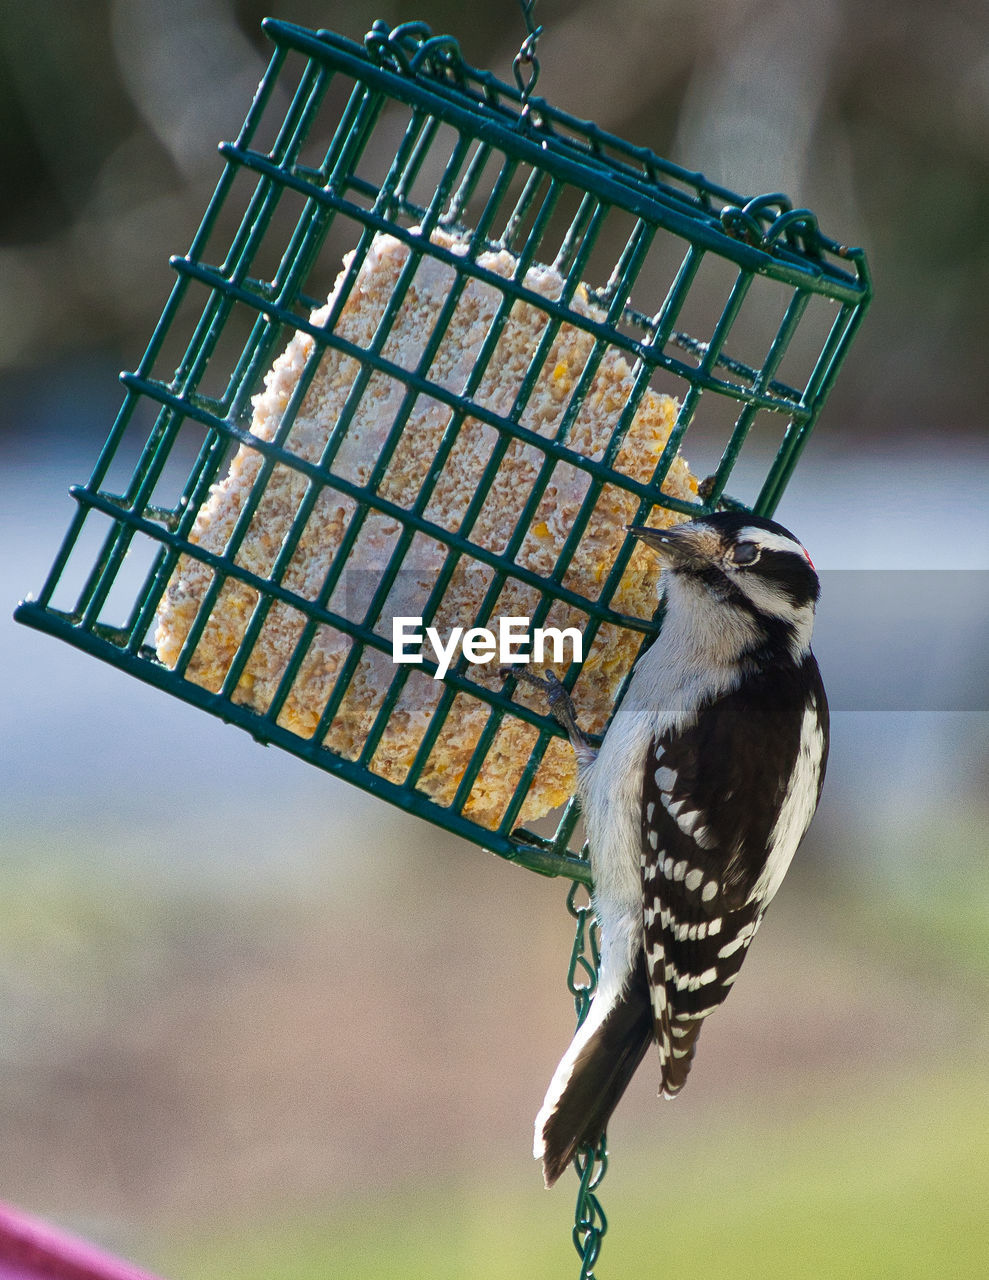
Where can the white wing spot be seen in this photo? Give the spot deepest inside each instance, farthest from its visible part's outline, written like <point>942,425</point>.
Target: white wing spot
<point>692,880</point>
<point>742,939</point>
<point>709,891</point>
<point>668,868</point>
<point>705,838</point>
<point>679,870</point>
<point>673,807</point>
<point>650,810</point>
<point>665,778</point>
<point>688,821</point>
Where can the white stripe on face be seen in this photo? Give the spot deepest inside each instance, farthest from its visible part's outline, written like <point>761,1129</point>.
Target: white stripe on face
<point>768,540</point>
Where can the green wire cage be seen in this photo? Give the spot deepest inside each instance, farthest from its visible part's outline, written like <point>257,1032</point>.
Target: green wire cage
<point>346,143</point>
<point>619,278</point>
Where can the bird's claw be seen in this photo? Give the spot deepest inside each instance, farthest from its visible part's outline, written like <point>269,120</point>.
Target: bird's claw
<point>560,703</point>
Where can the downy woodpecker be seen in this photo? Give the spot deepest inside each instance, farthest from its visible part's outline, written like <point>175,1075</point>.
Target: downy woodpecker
<point>703,787</point>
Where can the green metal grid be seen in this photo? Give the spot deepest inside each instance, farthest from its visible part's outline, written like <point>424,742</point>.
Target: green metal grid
<point>460,150</point>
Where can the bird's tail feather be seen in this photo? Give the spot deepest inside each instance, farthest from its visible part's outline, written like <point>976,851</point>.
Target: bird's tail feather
<point>594,1073</point>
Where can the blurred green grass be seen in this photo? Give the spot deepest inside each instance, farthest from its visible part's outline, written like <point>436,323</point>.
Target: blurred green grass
<point>117,986</point>
<point>898,1186</point>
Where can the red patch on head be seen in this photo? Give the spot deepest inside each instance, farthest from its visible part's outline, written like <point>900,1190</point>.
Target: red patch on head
<point>807,558</point>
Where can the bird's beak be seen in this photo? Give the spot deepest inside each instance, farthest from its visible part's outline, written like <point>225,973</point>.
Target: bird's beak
<point>682,545</point>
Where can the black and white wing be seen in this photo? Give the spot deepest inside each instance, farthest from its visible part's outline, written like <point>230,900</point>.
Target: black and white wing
<point>725,802</point>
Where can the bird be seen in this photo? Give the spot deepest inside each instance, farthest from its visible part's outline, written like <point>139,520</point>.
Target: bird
<point>703,786</point>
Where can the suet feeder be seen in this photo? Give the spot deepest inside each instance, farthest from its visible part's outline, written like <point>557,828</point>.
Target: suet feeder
<point>396,147</point>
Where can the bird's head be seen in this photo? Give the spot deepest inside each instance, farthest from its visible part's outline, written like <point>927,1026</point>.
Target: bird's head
<point>743,563</point>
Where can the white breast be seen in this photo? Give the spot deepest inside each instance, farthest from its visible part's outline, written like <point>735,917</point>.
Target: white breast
<point>610,789</point>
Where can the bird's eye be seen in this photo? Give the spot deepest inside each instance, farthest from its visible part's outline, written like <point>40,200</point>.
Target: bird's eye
<point>745,553</point>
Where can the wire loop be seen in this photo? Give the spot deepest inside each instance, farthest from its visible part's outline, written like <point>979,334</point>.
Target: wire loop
<point>525,68</point>
<point>411,47</point>
<point>798,226</point>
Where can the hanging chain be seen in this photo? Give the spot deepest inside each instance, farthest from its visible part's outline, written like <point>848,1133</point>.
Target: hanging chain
<point>526,65</point>
<point>591,1163</point>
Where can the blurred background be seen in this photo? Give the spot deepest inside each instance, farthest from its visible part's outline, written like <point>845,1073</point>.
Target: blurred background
<point>255,1023</point>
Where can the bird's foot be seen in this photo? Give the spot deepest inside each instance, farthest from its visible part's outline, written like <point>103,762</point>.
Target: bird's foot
<point>558,700</point>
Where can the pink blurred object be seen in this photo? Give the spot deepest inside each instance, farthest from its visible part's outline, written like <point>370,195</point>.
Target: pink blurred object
<point>32,1250</point>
